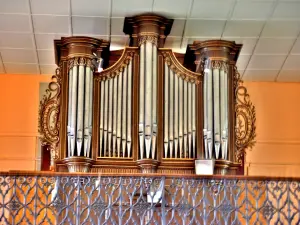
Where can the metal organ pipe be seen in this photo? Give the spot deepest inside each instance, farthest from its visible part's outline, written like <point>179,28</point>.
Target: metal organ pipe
<point>80,107</point>
<point>216,88</point>
<point>129,106</point>
<point>105,117</point>
<point>70,152</point>
<point>176,118</point>
<point>115,117</point>
<point>194,118</point>
<point>215,110</point>
<point>119,114</point>
<point>110,116</point>
<point>115,110</point>
<point>166,112</point>
<point>91,113</point>
<point>87,114</point>
<point>102,103</point>
<point>73,108</point>
<point>124,114</point>
<point>179,116</point>
<point>148,99</point>
<point>185,118</point>
<point>141,100</point>
<point>180,128</point>
<point>171,112</point>
<point>209,113</point>
<point>154,98</point>
<point>190,114</point>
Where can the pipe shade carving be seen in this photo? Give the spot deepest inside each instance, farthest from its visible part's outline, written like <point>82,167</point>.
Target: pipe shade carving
<point>245,129</point>
<point>48,116</point>
<point>148,112</point>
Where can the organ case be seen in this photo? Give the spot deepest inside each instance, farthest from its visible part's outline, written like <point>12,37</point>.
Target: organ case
<point>150,110</point>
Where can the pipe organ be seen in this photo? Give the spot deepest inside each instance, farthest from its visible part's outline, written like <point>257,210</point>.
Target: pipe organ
<point>149,109</point>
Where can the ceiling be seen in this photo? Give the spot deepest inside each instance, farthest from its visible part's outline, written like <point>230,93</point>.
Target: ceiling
<point>269,30</point>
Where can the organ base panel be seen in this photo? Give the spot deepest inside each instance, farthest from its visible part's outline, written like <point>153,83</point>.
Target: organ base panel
<point>145,108</point>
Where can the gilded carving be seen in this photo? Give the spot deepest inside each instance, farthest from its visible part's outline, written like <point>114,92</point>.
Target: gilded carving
<point>147,38</point>
<point>48,125</point>
<point>118,67</point>
<point>245,129</point>
<point>220,65</point>
<point>80,61</point>
<point>180,70</point>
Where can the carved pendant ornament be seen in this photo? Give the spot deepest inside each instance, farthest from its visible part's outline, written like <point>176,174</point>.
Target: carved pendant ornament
<point>245,130</point>
<point>49,124</point>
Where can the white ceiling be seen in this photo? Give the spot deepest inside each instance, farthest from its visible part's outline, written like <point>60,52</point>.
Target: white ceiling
<point>268,29</point>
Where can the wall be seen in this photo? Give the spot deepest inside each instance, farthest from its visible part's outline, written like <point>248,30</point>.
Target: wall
<point>19,100</point>
<point>277,151</point>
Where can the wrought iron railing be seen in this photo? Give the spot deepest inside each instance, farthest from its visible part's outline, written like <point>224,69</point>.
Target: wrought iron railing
<point>50,198</point>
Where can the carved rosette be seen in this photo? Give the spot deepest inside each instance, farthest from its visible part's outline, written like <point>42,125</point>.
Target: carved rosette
<point>180,70</point>
<point>48,125</point>
<point>245,129</point>
<point>118,67</point>
<point>143,38</point>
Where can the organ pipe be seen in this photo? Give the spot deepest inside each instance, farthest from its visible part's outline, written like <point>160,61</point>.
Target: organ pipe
<point>80,106</point>
<point>115,110</point>
<point>129,106</point>
<point>110,117</point>
<point>74,108</point>
<point>171,112</point>
<point>179,116</point>
<point>180,90</point>
<point>176,115</point>
<point>154,98</point>
<point>102,103</point>
<point>124,111</point>
<point>215,110</point>
<point>141,100</point>
<point>70,150</point>
<point>166,111</point>
<point>87,94</point>
<point>80,109</point>
<point>106,104</point>
<point>148,99</point>
<point>117,116</point>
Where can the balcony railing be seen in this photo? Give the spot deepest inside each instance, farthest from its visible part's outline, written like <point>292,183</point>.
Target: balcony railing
<point>52,198</point>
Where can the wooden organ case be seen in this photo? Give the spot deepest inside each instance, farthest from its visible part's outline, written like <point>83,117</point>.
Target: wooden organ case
<point>146,109</point>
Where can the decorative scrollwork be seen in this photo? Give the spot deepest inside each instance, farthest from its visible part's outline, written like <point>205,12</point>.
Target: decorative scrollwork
<point>147,38</point>
<point>48,125</point>
<point>81,61</point>
<point>118,67</point>
<point>220,65</point>
<point>245,129</point>
<point>180,70</point>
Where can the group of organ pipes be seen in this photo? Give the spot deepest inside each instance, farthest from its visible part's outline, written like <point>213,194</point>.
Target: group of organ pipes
<point>146,109</point>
